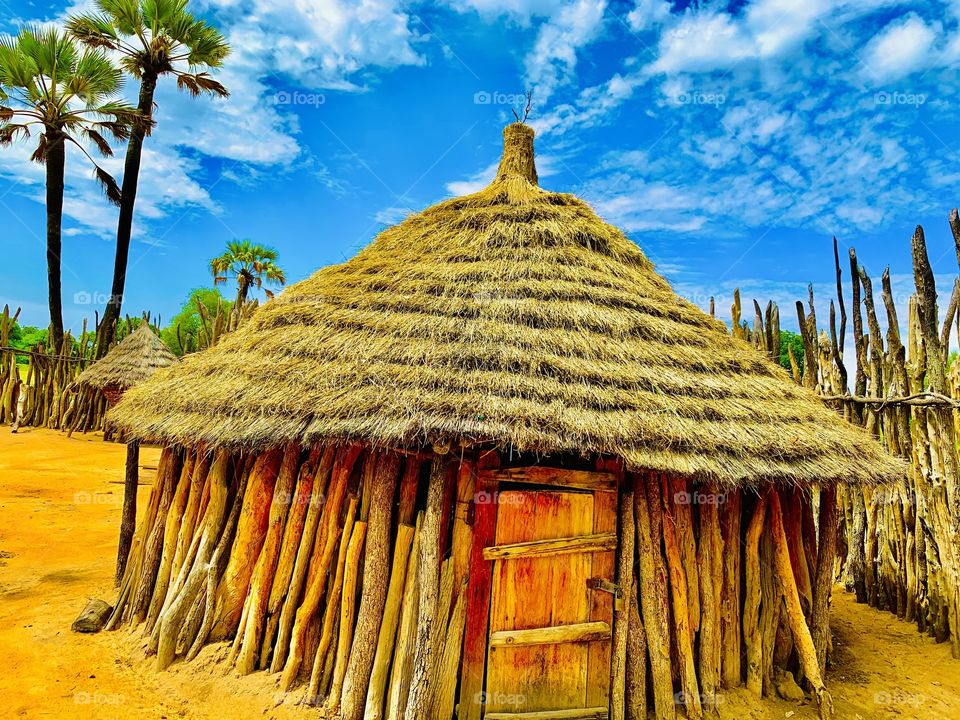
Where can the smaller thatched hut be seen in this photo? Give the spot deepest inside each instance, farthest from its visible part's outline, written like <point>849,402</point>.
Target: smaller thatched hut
<point>130,363</point>
<point>133,361</point>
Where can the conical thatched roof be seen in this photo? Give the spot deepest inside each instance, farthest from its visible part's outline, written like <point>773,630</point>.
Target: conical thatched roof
<point>513,316</point>
<point>130,363</point>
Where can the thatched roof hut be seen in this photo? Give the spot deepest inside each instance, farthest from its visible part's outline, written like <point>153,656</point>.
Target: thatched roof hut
<point>579,426</point>
<point>134,360</point>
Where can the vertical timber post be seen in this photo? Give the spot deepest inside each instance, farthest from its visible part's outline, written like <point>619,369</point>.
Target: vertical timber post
<point>128,520</point>
<point>478,590</point>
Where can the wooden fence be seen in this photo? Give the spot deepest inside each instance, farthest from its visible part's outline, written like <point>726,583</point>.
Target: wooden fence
<point>898,546</point>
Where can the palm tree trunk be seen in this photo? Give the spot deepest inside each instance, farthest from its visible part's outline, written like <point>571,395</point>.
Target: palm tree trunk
<point>128,198</point>
<point>55,160</point>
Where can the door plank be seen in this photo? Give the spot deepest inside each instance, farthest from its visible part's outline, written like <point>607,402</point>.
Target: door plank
<point>596,542</point>
<point>593,713</point>
<point>478,597</point>
<point>576,633</point>
<point>572,479</point>
<point>537,592</point>
<point>601,603</point>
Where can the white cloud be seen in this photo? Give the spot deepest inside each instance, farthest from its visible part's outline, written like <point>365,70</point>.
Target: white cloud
<point>553,59</point>
<point>647,14</point>
<point>302,45</point>
<point>904,46</point>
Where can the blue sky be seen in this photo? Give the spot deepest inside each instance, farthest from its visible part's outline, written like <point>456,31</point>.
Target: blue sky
<point>731,141</point>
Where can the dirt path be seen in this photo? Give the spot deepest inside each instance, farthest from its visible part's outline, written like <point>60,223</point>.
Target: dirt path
<point>60,502</point>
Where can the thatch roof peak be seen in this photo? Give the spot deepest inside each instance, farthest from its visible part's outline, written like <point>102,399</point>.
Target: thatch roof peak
<point>518,157</point>
<point>130,363</point>
<point>513,317</point>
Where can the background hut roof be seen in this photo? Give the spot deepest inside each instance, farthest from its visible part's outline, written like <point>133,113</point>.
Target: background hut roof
<point>130,363</point>
<point>513,316</point>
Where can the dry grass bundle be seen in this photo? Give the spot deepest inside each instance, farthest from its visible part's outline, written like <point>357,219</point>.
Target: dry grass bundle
<point>130,363</point>
<point>513,316</point>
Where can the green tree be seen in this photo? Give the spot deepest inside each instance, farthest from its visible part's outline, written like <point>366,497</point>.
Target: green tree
<point>183,333</point>
<point>47,83</point>
<point>795,342</point>
<point>251,265</point>
<point>155,38</point>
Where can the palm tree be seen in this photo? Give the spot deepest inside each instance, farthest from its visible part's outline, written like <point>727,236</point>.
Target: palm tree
<point>251,265</point>
<point>47,83</point>
<point>155,38</point>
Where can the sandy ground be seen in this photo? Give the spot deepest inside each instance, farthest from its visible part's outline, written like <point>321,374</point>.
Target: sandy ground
<point>60,502</point>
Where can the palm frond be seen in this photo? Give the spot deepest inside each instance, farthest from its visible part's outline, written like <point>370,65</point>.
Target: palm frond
<point>199,83</point>
<point>97,139</point>
<point>40,152</point>
<point>109,185</point>
<point>9,133</point>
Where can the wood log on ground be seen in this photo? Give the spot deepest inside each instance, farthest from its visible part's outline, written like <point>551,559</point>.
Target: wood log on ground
<point>653,592</point>
<point>820,618</point>
<point>690,688</point>
<point>636,681</point>
<point>348,602</point>
<point>798,626</point>
<point>324,547</point>
<point>622,609</point>
<point>301,564</point>
<point>753,593</point>
<point>421,682</point>
<point>251,529</point>
<point>376,567</point>
<point>262,580</point>
<point>128,520</point>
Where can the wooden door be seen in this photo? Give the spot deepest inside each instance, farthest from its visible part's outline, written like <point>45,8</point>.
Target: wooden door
<point>551,609</point>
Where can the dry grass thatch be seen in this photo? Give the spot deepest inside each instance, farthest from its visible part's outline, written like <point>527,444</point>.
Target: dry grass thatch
<point>130,363</point>
<point>513,316</point>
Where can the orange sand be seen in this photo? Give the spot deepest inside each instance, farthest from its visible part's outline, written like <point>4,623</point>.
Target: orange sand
<point>60,502</point>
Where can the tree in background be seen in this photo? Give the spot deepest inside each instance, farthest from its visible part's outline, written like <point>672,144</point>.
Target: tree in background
<point>47,83</point>
<point>185,331</point>
<point>251,265</point>
<point>155,38</point>
<point>794,342</point>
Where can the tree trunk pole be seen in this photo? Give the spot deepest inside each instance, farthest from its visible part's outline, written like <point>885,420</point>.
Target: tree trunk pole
<point>826,550</point>
<point>376,577</point>
<point>791,596</point>
<point>128,520</point>
<point>128,198</point>
<point>622,611</point>
<point>422,684</point>
<point>55,161</point>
